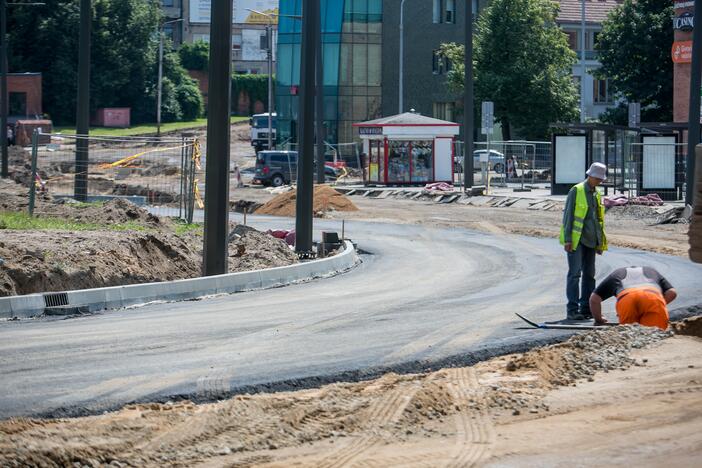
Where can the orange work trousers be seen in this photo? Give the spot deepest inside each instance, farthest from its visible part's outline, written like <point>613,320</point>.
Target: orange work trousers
<point>642,305</point>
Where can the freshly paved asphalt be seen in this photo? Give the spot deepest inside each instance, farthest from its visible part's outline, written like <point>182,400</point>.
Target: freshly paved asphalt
<point>424,296</point>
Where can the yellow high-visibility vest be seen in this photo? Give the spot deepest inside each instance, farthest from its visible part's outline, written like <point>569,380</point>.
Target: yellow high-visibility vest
<point>579,217</point>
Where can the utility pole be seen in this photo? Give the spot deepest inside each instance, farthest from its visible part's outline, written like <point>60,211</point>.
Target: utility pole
<point>582,61</point>
<point>468,117</point>
<point>693,128</point>
<point>159,93</point>
<point>3,87</point>
<point>319,102</point>
<point>305,173</point>
<point>4,95</point>
<point>269,57</point>
<point>216,253</point>
<point>402,58</point>
<point>83,103</point>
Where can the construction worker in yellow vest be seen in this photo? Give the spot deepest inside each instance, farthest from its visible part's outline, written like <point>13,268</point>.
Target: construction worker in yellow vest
<point>583,237</point>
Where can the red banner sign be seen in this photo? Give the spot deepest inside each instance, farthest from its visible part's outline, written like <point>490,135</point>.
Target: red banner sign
<point>682,52</point>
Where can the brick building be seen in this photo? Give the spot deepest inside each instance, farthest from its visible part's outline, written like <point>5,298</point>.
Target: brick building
<point>681,52</point>
<point>24,96</point>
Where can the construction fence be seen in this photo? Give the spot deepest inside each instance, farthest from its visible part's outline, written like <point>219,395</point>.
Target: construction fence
<point>505,163</point>
<point>159,172</point>
<point>343,161</point>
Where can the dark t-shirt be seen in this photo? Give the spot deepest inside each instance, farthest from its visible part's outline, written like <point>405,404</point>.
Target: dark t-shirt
<point>623,278</point>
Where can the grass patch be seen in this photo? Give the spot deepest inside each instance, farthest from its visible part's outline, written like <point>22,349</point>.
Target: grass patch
<point>146,129</point>
<point>24,222</point>
<point>183,228</point>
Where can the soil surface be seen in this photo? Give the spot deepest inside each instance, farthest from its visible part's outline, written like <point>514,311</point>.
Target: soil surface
<point>147,249</point>
<point>326,201</point>
<point>546,407</point>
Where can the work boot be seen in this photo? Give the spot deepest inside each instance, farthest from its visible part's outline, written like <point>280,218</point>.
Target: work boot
<point>586,315</point>
<point>575,316</point>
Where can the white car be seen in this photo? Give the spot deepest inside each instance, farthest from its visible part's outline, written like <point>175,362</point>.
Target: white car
<point>496,161</point>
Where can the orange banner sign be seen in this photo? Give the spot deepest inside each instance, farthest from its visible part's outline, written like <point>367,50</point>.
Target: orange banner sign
<point>682,52</point>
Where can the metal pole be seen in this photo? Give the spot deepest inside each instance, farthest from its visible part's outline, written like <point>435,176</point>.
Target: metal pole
<point>693,131</point>
<point>215,253</point>
<point>32,182</point>
<point>402,55</point>
<point>468,116</point>
<point>160,82</point>
<point>305,166</point>
<point>83,103</point>
<point>319,102</point>
<point>582,61</point>
<point>3,87</point>
<point>269,45</point>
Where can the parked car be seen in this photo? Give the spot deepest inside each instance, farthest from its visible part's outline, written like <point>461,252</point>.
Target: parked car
<point>278,168</point>
<point>496,161</point>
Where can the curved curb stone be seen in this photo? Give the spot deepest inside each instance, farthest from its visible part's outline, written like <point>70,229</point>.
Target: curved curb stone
<point>116,297</point>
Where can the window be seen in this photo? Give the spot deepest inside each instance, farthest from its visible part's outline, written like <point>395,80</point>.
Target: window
<point>444,110</point>
<point>436,62</point>
<point>573,39</point>
<point>437,10</point>
<point>236,41</point>
<point>600,92</point>
<point>450,13</point>
<point>17,103</point>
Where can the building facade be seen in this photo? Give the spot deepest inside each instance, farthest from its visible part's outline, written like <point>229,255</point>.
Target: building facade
<point>352,34</point>
<point>683,24</point>
<point>595,94</point>
<point>249,54</point>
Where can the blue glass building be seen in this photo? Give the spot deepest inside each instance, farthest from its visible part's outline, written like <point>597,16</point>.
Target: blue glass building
<point>352,51</point>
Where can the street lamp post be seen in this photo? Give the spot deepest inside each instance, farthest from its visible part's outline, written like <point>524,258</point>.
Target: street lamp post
<point>582,61</point>
<point>402,55</point>
<point>468,97</point>
<point>269,56</point>
<point>160,74</point>
<point>4,170</point>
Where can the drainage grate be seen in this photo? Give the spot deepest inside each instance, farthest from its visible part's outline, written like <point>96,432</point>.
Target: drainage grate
<point>56,299</point>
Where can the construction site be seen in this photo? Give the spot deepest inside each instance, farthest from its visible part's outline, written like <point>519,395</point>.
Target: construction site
<point>354,369</point>
<point>342,280</point>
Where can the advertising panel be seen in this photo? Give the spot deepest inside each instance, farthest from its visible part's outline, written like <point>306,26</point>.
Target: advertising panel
<point>682,52</point>
<point>201,10</point>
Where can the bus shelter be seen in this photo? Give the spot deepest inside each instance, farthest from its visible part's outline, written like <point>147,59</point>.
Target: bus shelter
<point>407,149</point>
<point>641,160</point>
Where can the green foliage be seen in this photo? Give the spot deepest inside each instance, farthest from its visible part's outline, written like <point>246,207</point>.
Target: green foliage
<point>124,56</point>
<point>254,86</point>
<point>634,48</point>
<point>24,222</point>
<point>195,56</point>
<point>523,64</point>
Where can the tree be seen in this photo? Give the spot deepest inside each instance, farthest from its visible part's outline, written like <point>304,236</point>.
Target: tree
<point>523,64</point>
<point>124,50</point>
<point>195,56</point>
<point>634,49</point>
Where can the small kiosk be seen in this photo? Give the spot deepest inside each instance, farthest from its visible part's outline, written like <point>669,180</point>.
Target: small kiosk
<point>408,149</point>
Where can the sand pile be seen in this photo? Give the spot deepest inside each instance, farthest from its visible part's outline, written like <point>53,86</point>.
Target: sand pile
<point>250,249</point>
<point>325,199</point>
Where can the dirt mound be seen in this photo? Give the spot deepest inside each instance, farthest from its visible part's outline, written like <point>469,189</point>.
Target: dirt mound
<point>634,212</point>
<point>40,261</point>
<point>325,199</point>
<point>348,421</point>
<point>690,326</point>
<point>115,211</point>
<point>250,249</point>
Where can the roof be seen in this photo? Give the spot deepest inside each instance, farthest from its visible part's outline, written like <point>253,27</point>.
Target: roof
<point>408,119</point>
<point>596,11</point>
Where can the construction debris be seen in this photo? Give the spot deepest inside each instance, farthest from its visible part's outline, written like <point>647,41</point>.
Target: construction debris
<point>325,199</point>
<point>652,199</point>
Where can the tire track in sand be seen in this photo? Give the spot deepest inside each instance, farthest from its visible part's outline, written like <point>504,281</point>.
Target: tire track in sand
<point>474,430</point>
<point>386,410</point>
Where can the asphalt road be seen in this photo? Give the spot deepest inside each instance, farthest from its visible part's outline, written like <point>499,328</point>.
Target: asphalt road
<point>423,297</point>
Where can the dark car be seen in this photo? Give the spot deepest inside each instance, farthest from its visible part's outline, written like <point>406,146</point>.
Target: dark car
<point>278,168</point>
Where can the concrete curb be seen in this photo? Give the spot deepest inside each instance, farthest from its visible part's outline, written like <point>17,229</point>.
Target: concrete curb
<point>117,297</point>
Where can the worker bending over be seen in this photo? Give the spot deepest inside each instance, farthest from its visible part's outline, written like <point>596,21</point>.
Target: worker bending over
<point>642,295</point>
